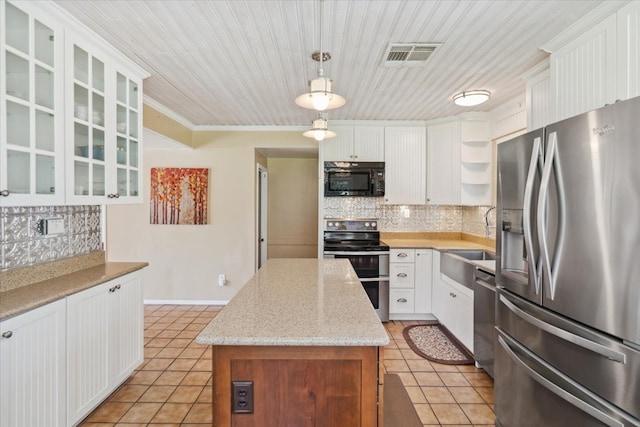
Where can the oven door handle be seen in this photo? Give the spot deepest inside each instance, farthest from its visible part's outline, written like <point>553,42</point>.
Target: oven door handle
<point>375,253</point>
<point>374,279</point>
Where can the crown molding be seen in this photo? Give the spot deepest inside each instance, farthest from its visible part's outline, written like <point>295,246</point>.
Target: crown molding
<point>168,112</point>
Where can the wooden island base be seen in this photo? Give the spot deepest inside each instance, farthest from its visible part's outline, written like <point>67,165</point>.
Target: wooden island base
<point>314,386</point>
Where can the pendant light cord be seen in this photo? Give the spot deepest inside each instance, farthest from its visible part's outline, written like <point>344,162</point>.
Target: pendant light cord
<point>321,71</point>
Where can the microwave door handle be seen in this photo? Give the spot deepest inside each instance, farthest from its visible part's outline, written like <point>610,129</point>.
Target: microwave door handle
<point>536,155</point>
<point>557,390</point>
<point>541,213</point>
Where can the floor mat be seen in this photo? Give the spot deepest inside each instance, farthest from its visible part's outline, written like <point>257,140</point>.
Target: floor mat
<point>434,342</point>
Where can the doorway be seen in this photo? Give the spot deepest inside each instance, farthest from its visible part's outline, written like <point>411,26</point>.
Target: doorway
<point>262,214</point>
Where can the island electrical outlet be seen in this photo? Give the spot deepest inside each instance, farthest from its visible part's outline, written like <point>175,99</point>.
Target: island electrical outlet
<point>242,397</point>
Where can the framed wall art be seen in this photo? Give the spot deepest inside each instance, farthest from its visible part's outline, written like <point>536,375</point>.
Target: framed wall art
<point>179,195</point>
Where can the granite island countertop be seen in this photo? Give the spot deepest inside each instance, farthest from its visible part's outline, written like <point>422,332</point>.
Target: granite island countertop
<point>24,298</point>
<point>298,302</point>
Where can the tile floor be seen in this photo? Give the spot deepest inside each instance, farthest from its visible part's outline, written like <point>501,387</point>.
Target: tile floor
<point>173,385</point>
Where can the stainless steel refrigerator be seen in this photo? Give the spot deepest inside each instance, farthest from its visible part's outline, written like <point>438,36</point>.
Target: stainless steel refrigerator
<point>568,273</point>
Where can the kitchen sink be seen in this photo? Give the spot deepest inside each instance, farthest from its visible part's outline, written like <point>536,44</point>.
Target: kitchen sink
<point>456,264</point>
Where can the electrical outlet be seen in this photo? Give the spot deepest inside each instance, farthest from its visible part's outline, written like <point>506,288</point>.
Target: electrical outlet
<point>51,226</point>
<point>222,279</point>
<point>242,397</point>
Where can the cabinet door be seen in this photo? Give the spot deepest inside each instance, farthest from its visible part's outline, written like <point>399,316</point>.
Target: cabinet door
<point>31,102</point>
<point>32,368</point>
<point>443,179</point>
<point>629,51</point>
<point>87,123</point>
<point>583,73</point>
<point>87,343</point>
<point>368,143</point>
<point>125,327</point>
<point>339,148</point>
<point>422,279</point>
<point>405,165</point>
<point>464,327</point>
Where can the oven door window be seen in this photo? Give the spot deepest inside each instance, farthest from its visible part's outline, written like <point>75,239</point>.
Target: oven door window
<point>366,266</point>
<point>348,181</point>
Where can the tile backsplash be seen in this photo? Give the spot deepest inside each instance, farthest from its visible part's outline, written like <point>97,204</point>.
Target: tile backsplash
<point>467,219</point>
<point>22,244</point>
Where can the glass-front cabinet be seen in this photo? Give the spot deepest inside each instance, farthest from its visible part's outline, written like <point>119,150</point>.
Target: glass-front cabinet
<point>104,124</point>
<point>31,97</point>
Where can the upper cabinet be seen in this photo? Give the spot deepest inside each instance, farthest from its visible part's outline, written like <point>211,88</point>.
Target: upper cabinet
<point>70,131</point>
<point>596,61</point>
<point>460,162</point>
<point>355,143</point>
<point>32,119</point>
<point>405,153</point>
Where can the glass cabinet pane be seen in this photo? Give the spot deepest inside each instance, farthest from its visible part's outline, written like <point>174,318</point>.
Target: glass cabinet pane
<point>98,110</point>
<point>44,87</point>
<point>133,153</point>
<point>18,124</point>
<point>43,43</point>
<point>80,65</point>
<point>18,172</point>
<point>121,88</point>
<point>97,74</point>
<point>81,103</point>
<point>98,180</point>
<point>133,183</point>
<point>45,174</point>
<point>122,182</point>
<point>81,140</point>
<point>98,145</point>
<point>81,178</point>
<point>121,154</point>
<point>133,95</point>
<point>133,124</point>
<point>17,25</point>
<point>45,131</point>
<point>17,76</point>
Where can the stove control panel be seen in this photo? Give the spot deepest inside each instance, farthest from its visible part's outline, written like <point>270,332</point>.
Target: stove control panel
<point>351,225</point>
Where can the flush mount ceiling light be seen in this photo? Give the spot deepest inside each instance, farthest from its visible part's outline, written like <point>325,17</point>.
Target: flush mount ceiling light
<point>320,98</point>
<point>471,97</point>
<point>319,130</point>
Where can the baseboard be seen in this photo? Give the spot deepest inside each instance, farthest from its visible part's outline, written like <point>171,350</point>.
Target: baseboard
<point>183,302</point>
<point>411,316</point>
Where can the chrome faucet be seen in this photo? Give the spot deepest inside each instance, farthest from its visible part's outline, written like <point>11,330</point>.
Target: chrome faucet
<point>486,221</point>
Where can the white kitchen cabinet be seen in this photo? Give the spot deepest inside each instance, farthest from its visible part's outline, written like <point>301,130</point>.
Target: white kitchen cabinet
<point>405,165</point>
<point>104,336</point>
<point>476,163</point>
<point>31,101</point>
<point>71,121</point>
<point>104,112</point>
<point>452,304</point>
<point>355,143</point>
<point>410,284</point>
<point>628,23</point>
<point>538,114</point>
<point>32,368</point>
<point>443,172</point>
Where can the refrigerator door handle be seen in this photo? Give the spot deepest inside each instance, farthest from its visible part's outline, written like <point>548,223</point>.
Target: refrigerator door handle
<point>541,214</point>
<point>565,335</point>
<point>559,391</point>
<point>526,213</point>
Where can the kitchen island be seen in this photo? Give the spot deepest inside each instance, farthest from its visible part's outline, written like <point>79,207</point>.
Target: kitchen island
<point>304,338</point>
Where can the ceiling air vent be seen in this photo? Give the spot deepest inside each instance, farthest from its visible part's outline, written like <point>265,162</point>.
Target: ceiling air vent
<point>409,54</point>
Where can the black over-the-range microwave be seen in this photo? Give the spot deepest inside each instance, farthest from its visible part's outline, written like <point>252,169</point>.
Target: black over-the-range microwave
<point>354,179</point>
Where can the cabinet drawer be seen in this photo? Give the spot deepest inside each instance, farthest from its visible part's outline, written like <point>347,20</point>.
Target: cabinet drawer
<point>401,301</point>
<point>402,255</point>
<point>401,275</point>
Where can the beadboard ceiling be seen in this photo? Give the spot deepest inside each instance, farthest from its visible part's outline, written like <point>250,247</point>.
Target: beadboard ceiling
<point>243,62</point>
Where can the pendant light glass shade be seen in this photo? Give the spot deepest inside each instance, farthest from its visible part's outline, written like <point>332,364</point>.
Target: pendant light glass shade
<point>319,130</point>
<point>320,98</point>
<point>471,98</point>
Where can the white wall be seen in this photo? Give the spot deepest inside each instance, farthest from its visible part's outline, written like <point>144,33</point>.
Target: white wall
<point>185,260</point>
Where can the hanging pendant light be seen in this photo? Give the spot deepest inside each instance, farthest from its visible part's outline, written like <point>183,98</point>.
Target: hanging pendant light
<point>319,129</point>
<point>320,97</point>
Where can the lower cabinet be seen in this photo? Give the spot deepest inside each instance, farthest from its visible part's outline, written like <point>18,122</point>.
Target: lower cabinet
<point>32,368</point>
<point>410,284</point>
<point>59,361</point>
<point>453,305</point>
<point>105,341</point>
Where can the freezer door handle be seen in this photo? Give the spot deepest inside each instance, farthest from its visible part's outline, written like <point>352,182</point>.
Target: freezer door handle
<point>526,213</point>
<point>600,349</point>
<point>557,390</point>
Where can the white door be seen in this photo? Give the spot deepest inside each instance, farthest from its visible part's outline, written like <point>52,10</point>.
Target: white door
<point>262,208</point>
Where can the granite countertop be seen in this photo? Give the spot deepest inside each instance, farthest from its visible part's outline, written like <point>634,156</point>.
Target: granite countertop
<point>25,298</point>
<point>299,302</point>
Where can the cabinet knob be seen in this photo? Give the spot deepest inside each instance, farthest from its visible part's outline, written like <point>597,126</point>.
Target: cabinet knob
<point>113,289</point>
<point>7,334</point>
<point>117,286</point>
<point>5,193</point>
<point>401,274</point>
<point>402,300</point>
<point>113,196</point>
<point>452,295</point>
